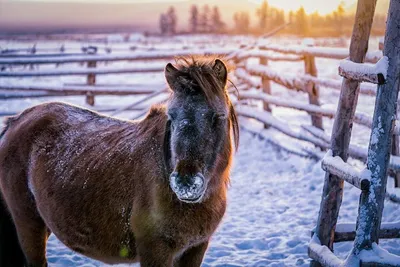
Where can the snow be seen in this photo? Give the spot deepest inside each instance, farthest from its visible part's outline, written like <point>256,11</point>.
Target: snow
<point>365,68</point>
<point>274,196</point>
<point>345,171</point>
<point>326,257</point>
<point>376,255</point>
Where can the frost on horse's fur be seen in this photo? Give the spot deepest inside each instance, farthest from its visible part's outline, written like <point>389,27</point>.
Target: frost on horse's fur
<point>118,191</point>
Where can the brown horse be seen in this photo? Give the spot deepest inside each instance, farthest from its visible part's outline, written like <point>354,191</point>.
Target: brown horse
<point>150,191</point>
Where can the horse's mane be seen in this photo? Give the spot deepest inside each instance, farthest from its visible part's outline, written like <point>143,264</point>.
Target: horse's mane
<point>197,72</point>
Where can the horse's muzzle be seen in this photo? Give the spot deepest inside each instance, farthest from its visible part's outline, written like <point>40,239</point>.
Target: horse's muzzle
<point>188,188</point>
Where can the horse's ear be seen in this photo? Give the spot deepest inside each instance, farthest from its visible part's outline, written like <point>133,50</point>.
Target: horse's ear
<point>170,74</point>
<point>221,70</point>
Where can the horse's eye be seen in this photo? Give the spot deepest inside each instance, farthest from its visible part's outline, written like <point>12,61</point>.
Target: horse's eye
<point>219,117</point>
<point>184,123</point>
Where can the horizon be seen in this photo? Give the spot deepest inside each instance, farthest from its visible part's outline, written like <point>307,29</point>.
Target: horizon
<point>140,15</point>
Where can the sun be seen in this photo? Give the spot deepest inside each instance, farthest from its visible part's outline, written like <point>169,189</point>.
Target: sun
<point>322,7</point>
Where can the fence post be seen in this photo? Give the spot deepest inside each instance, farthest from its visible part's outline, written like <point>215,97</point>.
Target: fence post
<point>312,88</point>
<point>396,152</point>
<point>372,201</point>
<point>266,88</point>
<point>333,186</point>
<point>91,78</point>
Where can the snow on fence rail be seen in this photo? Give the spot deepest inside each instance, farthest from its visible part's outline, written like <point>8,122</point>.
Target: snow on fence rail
<point>324,52</point>
<point>364,72</point>
<point>83,71</point>
<point>140,55</point>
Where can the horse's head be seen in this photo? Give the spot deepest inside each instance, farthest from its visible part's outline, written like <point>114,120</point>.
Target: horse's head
<point>200,118</point>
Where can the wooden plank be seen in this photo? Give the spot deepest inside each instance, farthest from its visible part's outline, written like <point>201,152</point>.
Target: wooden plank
<point>364,72</point>
<point>362,77</point>
<point>139,55</point>
<point>347,232</point>
<point>322,52</point>
<point>84,89</point>
<point>313,89</point>
<point>371,203</point>
<point>82,71</point>
<point>322,254</point>
<point>346,172</point>
<point>267,118</point>
<point>341,132</point>
<point>289,81</point>
<point>90,81</point>
<point>266,88</point>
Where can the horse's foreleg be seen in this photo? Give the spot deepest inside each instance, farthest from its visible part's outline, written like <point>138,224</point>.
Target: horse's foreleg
<point>155,254</point>
<point>31,230</point>
<point>33,237</point>
<point>193,256</point>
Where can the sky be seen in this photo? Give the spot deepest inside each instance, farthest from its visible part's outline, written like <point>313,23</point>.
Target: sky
<point>142,14</point>
<point>323,7</point>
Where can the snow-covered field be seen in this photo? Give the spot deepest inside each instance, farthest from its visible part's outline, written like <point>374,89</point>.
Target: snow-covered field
<point>274,196</point>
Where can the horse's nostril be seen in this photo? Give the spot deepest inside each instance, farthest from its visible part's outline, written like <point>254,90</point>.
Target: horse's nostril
<point>188,187</point>
<point>198,179</point>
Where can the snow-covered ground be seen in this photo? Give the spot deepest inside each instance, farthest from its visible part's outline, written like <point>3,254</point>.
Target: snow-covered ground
<point>274,196</point>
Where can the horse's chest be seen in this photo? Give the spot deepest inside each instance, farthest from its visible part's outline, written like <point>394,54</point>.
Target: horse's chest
<point>187,230</point>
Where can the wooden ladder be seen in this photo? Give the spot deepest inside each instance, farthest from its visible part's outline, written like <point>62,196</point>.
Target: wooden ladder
<point>372,181</point>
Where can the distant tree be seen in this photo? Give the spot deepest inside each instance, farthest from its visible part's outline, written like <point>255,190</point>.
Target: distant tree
<point>194,19</point>
<point>339,17</point>
<point>172,20</point>
<point>242,22</point>
<point>217,24</point>
<point>163,24</point>
<point>204,19</point>
<point>281,17</point>
<point>262,14</point>
<point>302,22</point>
<point>291,16</point>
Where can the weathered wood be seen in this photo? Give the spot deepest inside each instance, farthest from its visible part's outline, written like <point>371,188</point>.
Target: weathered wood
<point>392,197</point>
<point>289,81</point>
<point>134,89</point>
<point>139,55</point>
<point>347,232</point>
<point>364,72</point>
<point>263,54</point>
<point>360,118</point>
<point>341,132</point>
<point>267,118</point>
<point>266,88</point>
<point>322,52</point>
<point>371,203</point>
<point>322,255</point>
<point>84,71</point>
<point>346,172</point>
<point>396,152</point>
<point>313,89</point>
<point>362,77</point>
<point>91,78</point>
<point>265,135</point>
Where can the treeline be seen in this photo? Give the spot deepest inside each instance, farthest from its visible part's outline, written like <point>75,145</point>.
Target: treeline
<point>208,20</point>
<point>202,20</point>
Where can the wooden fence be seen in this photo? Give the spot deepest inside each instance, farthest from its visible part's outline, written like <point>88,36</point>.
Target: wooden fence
<point>254,82</point>
<point>309,84</point>
<point>9,65</point>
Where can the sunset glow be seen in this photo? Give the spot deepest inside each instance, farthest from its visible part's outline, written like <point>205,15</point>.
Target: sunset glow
<point>322,7</point>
